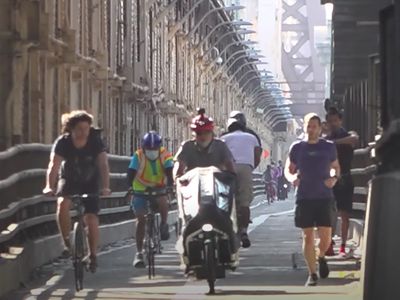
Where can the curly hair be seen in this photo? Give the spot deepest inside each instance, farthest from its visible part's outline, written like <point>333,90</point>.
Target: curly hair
<point>69,120</point>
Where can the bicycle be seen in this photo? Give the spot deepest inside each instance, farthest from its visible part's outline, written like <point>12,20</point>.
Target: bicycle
<point>152,239</point>
<point>79,244</point>
<point>270,192</point>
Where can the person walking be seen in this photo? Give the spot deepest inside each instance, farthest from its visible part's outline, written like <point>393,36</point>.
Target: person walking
<point>244,148</point>
<point>343,191</point>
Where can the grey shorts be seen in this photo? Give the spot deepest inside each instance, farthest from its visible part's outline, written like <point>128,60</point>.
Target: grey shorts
<point>244,191</point>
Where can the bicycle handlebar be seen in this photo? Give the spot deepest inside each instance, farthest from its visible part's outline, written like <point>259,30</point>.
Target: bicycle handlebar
<point>151,192</point>
<point>82,196</point>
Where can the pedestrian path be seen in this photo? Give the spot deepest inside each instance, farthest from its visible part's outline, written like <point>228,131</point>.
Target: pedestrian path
<point>265,272</point>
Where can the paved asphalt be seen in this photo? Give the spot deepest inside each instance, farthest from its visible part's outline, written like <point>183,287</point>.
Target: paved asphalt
<point>265,272</point>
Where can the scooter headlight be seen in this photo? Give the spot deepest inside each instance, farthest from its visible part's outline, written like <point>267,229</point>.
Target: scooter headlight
<point>207,227</point>
<point>285,186</point>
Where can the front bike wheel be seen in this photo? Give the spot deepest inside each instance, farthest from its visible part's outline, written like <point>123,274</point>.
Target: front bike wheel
<point>209,250</point>
<point>157,235</point>
<point>79,252</point>
<point>150,247</point>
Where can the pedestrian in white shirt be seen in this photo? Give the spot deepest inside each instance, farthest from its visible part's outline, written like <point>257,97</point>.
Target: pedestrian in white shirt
<point>244,147</point>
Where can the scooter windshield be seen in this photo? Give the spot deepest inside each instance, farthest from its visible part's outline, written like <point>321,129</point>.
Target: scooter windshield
<point>222,192</point>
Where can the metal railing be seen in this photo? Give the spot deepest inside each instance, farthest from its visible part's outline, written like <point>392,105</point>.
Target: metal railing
<point>362,104</point>
<point>26,214</point>
<point>363,169</point>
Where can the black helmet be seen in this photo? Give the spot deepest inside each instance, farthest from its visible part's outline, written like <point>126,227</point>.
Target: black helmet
<point>238,115</point>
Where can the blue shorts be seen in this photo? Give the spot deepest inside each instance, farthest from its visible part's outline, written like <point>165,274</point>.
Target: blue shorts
<point>140,203</point>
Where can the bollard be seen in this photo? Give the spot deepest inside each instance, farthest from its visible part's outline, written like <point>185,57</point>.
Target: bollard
<point>380,260</point>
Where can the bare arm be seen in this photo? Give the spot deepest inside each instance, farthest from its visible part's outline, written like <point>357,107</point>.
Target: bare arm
<point>179,168</point>
<point>351,140</point>
<point>330,182</point>
<point>257,156</point>
<point>290,171</point>
<point>335,166</point>
<point>229,166</point>
<point>102,162</point>
<point>52,173</point>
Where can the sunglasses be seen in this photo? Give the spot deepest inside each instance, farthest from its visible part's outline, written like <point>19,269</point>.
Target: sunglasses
<point>203,133</point>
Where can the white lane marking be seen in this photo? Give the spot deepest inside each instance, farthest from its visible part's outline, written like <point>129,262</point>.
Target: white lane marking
<point>262,218</point>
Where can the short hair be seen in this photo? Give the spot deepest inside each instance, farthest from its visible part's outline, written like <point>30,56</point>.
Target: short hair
<point>333,111</point>
<point>69,120</point>
<point>318,119</point>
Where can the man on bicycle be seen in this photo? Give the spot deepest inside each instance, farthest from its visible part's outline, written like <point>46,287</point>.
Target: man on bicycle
<point>81,155</point>
<point>204,151</point>
<point>151,167</point>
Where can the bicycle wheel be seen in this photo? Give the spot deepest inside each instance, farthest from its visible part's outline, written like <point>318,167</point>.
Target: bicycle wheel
<point>157,235</point>
<point>150,246</point>
<point>209,250</point>
<point>78,254</point>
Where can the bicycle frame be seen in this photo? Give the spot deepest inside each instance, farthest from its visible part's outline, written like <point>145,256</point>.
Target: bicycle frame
<point>152,242</point>
<point>79,241</point>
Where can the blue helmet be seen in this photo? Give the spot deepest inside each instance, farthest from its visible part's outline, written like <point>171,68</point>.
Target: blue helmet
<point>151,140</point>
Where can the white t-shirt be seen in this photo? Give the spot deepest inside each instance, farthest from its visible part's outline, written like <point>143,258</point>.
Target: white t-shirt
<point>242,146</point>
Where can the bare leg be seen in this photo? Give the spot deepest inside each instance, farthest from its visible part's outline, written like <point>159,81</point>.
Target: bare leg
<point>324,234</point>
<point>163,208</point>
<point>345,225</point>
<point>140,227</point>
<point>92,223</point>
<point>64,218</point>
<point>309,249</point>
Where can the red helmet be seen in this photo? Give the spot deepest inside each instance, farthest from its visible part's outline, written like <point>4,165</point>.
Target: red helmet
<point>201,122</point>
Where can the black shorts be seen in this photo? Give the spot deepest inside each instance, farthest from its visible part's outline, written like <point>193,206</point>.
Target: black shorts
<point>343,192</point>
<point>313,213</point>
<point>67,188</point>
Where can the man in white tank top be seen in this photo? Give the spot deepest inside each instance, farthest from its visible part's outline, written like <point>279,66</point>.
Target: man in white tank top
<point>244,147</point>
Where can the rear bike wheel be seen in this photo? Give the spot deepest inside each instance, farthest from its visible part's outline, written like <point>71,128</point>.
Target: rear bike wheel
<point>209,250</point>
<point>79,252</point>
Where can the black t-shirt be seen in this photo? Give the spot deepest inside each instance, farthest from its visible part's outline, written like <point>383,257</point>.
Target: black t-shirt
<point>344,152</point>
<point>248,130</point>
<point>79,165</point>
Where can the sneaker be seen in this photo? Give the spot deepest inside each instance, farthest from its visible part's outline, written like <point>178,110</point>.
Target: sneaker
<point>164,231</point>
<point>323,267</point>
<point>188,272</point>
<point>312,280</point>
<point>138,262</point>
<point>342,250</point>
<point>66,253</point>
<point>330,251</point>
<point>245,240</point>
<point>91,262</point>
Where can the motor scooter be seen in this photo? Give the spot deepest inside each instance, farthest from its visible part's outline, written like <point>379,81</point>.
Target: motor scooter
<point>208,239</point>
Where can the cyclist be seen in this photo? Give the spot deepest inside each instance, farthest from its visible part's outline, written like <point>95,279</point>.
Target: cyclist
<point>151,167</point>
<point>80,156</point>
<point>269,188</point>
<point>204,150</point>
